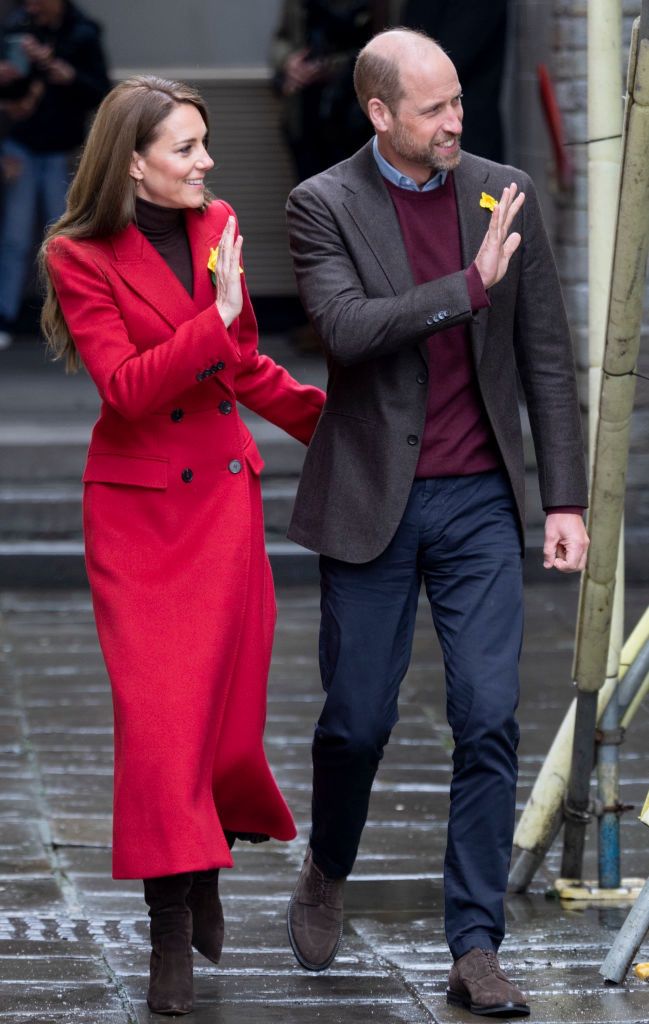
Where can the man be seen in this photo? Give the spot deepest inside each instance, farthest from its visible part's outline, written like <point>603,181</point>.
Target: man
<point>53,76</point>
<point>416,472</point>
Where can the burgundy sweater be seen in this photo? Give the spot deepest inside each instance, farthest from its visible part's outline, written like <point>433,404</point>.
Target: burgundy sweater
<point>457,438</point>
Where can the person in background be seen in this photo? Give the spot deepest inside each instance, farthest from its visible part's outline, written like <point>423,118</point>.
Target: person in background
<point>479,57</point>
<point>429,307</point>
<point>312,55</point>
<point>52,76</point>
<point>146,287</point>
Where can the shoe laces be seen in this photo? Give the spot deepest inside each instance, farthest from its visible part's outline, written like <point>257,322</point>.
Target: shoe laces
<point>325,888</point>
<point>492,960</point>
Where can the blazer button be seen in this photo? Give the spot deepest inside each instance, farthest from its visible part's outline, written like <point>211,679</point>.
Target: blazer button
<point>235,466</point>
<point>225,407</point>
<point>187,476</point>
<point>413,439</point>
<point>177,415</point>
<point>422,377</point>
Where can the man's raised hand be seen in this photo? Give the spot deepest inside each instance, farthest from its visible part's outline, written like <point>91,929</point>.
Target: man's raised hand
<point>498,245</point>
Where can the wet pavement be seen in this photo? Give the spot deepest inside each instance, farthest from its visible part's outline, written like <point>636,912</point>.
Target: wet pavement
<point>73,943</point>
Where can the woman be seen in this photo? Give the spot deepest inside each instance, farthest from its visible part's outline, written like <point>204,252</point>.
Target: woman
<point>181,583</point>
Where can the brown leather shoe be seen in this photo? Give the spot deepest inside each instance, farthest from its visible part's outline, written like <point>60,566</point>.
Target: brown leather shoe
<point>207,914</point>
<point>477,983</point>
<point>171,989</point>
<point>315,917</point>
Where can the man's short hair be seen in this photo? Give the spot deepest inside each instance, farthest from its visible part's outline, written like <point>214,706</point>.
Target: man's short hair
<point>378,76</point>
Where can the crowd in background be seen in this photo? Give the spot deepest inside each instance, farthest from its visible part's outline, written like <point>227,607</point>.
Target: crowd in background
<point>53,75</point>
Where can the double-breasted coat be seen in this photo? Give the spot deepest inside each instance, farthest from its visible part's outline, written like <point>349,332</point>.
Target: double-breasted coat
<point>181,584</point>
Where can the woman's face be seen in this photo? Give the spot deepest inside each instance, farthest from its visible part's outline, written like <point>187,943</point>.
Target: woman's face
<point>172,172</point>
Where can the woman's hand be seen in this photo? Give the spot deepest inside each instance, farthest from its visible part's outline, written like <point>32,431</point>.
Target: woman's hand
<point>229,297</point>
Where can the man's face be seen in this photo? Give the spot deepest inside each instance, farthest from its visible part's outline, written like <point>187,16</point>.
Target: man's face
<point>427,124</point>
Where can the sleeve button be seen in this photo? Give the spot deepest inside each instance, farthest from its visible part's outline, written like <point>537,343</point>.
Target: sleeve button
<point>177,415</point>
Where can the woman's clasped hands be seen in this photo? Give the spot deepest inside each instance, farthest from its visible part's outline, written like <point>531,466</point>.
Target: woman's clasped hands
<point>229,295</point>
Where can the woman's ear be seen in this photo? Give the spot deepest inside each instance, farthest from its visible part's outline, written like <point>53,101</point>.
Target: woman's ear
<point>135,170</point>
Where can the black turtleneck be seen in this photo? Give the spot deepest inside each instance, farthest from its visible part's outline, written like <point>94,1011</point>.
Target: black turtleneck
<point>164,227</point>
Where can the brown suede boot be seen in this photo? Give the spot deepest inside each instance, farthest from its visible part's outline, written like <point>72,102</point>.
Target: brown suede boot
<point>477,983</point>
<point>207,914</point>
<point>315,917</point>
<point>171,982</point>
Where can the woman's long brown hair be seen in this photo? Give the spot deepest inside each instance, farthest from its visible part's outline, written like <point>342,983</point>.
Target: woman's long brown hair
<point>101,200</point>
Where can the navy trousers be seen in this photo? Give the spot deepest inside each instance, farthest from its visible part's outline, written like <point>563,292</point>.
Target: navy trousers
<point>460,536</point>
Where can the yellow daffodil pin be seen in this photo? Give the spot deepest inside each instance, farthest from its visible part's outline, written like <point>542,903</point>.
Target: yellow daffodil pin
<point>488,202</point>
<point>211,264</point>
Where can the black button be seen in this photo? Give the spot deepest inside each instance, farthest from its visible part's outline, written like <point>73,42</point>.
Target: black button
<point>177,415</point>
<point>235,466</point>
<point>225,407</point>
<point>220,366</point>
<point>187,475</point>
<point>413,439</point>
<point>422,377</point>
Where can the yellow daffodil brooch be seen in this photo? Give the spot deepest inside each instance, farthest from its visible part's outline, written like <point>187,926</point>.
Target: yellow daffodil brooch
<point>488,202</point>
<point>211,264</point>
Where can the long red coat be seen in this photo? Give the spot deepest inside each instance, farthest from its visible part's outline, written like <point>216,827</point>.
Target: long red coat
<point>180,579</point>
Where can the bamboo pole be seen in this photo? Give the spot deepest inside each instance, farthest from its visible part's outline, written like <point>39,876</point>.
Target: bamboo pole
<point>604,124</point>
<point>624,323</point>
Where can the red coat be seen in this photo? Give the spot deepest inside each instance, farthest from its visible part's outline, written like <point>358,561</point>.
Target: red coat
<point>181,583</point>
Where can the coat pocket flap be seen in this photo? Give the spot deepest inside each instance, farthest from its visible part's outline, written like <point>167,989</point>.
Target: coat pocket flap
<point>253,458</point>
<point>135,470</point>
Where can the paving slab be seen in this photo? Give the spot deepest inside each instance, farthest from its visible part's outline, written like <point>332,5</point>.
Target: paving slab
<point>73,942</point>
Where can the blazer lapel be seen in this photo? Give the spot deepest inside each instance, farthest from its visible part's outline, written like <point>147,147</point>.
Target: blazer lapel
<point>145,271</point>
<point>470,180</point>
<point>372,210</point>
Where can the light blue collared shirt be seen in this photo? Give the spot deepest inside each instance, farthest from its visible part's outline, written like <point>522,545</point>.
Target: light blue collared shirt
<point>402,180</point>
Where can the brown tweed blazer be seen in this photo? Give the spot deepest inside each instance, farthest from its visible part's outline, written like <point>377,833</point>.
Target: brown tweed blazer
<point>355,284</point>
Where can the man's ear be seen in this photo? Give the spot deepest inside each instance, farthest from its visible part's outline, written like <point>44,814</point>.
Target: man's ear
<point>136,170</point>
<point>379,115</point>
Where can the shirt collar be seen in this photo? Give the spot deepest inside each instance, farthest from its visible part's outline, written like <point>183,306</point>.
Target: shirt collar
<point>402,180</point>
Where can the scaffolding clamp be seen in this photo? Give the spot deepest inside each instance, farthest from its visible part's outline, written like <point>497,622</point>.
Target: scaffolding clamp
<point>610,737</point>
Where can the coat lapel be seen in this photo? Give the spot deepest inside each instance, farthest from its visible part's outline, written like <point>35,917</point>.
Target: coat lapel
<point>204,233</point>
<point>470,180</point>
<point>147,273</point>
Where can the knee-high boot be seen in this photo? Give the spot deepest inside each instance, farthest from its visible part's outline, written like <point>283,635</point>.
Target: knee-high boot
<point>171,981</point>
<point>207,913</point>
